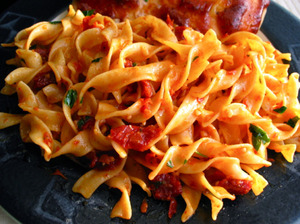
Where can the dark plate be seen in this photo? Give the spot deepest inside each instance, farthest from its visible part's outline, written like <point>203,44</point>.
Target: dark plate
<point>30,192</point>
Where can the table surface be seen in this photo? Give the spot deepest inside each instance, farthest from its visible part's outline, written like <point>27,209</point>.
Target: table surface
<point>292,5</point>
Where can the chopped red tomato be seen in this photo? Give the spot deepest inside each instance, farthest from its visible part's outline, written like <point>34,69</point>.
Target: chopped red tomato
<point>43,79</point>
<point>172,207</point>
<point>147,91</point>
<point>234,186</point>
<point>166,187</point>
<point>128,63</point>
<point>179,32</point>
<point>134,137</point>
<point>103,161</point>
<point>43,51</point>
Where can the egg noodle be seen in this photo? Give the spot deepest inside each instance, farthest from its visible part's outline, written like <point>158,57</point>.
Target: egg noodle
<point>187,114</point>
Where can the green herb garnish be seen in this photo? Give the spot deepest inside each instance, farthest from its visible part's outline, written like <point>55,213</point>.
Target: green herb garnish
<point>82,122</point>
<point>280,110</point>
<point>170,164</point>
<point>134,64</point>
<point>184,162</point>
<point>88,12</point>
<point>55,22</point>
<point>71,98</point>
<point>195,58</point>
<point>146,0</point>
<point>96,60</point>
<point>258,136</point>
<point>293,121</point>
<point>200,154</point>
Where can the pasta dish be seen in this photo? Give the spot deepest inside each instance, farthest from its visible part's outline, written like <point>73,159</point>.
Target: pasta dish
<point>179,114</point>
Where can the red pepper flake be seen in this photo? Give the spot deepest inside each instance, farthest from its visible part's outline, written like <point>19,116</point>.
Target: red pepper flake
<point>47,138</point>
<point>58,173</point>
<point>271,160</point>
<point>144,206</point>
<point>170,22</point>
<point>76,142</point>
<point>128,63</point>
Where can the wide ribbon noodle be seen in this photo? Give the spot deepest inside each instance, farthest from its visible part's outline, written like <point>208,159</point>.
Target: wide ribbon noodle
<point>185,114</point>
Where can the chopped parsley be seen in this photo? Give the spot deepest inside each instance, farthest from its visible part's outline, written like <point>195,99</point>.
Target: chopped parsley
<point>71,98</point>
<point>96,60</point>
<point>293,121</point>
<point>82,122</point>
<point>170,164</point>
<point>55,22</point>
<point>195,58</point>
<point>258,136</point>
<point>134,64</point>
<point>280,110</point>
<point>184,162</point>
<point>200,154</point>
<point>88,12</point>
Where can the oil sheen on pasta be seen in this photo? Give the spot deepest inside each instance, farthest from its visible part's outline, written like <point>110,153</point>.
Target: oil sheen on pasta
<point>178,112</point>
